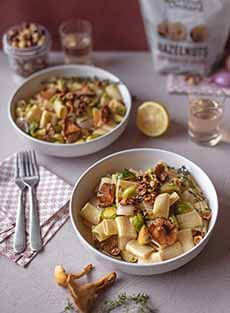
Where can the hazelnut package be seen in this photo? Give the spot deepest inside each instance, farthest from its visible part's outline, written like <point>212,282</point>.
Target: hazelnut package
<point>186,36</point>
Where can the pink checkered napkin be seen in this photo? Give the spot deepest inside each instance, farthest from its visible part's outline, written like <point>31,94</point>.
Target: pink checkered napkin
<point>177,84</point>
<point>52,197</point>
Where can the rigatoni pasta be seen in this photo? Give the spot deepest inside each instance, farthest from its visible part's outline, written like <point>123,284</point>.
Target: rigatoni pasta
<point>190,219</point>
<point>154,257</point>
<point>105,230</point>
<point>71,110</point>
<point>147,216</point>
<point>186,239</point>
<point>91,213</point>
<point>161,205</point>
<point>141,251</point>
<point>171,252</point>
<point>126,231</point>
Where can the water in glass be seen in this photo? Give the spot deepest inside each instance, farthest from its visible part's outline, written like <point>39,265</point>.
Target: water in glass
<point>205,121</point>
<point>76,38</point>
<point>77,48</point>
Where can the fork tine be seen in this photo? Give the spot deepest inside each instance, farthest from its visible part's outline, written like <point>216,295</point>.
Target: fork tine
<point>31,165</point>
<point>26,163</point>
<point>21,165</point>
<point>34,162</point>
<point>31,171</point>
<point>17,166</point>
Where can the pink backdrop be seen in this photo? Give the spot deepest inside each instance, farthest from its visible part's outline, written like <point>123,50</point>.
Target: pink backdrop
<point>117,24</point>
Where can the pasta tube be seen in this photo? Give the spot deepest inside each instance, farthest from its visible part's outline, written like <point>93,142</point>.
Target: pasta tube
<point>126,231</point>
<point>105,229</point>
<point>171,251</point>
<point>201,206</point>
<point>108,127</point>
<point>186,239</point>
<point>114,179</point>
<point>170,188</point>
<point>99,132</point>
<point>91,213</point>
<point>153,258</point>
<point>129,257</point>
<point>46,118</point>
<point>110,227</point>
<point>34,114</point>
<point>105,180</point>
<point>189,220</point>
<point>161,205</point>
<point>139,250</point>
<point>60,109</point>
<point>188,196</point>
<point>113,92</point>
<point>173,198</point>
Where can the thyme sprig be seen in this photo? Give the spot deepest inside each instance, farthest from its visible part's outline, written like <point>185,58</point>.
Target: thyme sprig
<point>183,170</point>
<point>138,303</point>
<point>127,303</point>
<point>69,308</point>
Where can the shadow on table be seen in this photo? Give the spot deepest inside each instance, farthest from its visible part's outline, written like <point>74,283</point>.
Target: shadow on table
<point>176,130</point>
<point>107,61</point>
<point>104,61</point>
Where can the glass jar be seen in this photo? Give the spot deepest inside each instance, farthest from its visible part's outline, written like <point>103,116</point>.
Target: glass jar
<point>25,61</point>
<point>76,39</point>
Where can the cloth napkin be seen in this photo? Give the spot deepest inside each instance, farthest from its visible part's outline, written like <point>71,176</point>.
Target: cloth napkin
<point>52,197</point>
<point>177,84</point>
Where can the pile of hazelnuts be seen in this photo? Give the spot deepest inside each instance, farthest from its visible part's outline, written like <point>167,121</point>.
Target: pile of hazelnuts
<point>26,35</point>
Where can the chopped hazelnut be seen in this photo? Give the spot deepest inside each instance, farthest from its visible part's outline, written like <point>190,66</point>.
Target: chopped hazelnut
<point>197,239</point>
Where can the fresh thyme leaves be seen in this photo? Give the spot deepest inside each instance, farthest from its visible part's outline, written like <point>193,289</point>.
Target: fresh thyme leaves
<point>184,174</point>
<point>69,308</point>
<point>186,178</point>
<point>183,170</point>
<point>139,303</point>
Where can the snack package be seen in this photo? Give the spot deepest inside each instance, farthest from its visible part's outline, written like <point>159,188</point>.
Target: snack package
<point>186,36</point>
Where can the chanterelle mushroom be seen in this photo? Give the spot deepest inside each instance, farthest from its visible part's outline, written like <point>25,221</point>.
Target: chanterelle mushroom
<point>161,172</point>
<point>84,295</point>
<point>60,276</point>
<point>106,194</point>
<point>163,231</point>
<point>72,132</point>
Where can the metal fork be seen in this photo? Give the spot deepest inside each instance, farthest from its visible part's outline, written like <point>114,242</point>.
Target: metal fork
<point>19,242</point>
<point>31,179</point>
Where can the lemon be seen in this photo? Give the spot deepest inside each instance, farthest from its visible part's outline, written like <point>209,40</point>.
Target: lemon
<point>152,118</point>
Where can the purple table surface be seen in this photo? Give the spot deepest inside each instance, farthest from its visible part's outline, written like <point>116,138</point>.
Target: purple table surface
<point>202,286</point>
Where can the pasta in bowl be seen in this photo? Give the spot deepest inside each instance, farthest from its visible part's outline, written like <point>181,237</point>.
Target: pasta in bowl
<point>71,110</point>
<point>148,218</point>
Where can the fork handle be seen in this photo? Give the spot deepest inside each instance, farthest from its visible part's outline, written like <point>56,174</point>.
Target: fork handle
<point>34,228</point>
<point>19,242</point>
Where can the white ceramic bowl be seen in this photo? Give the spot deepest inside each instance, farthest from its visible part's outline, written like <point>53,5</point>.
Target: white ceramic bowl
<point>33,85</point>
<point>137,158</point>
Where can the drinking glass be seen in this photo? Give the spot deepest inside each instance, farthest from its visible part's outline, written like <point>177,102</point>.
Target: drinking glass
<point>76,39</point>
<point>205,122</point>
